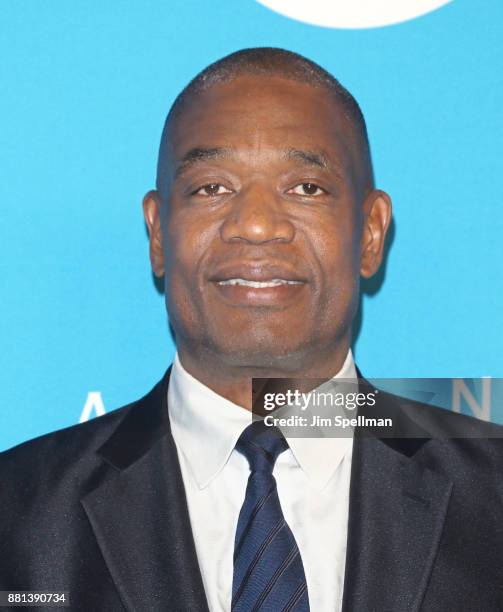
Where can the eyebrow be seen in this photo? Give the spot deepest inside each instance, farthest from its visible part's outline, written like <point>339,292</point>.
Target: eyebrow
<point>201,154</point>
<point>310,158</point>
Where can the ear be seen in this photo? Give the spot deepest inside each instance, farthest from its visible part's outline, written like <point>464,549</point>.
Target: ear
<point>376,220</point>
<point>152,214</point>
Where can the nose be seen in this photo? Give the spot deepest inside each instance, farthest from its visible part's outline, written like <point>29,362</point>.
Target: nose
<point>257,217</point>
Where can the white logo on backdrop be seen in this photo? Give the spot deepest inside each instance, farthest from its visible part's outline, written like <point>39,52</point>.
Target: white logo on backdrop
<point>480,410</point>
<point>353,13</point>
<point>94,404</point>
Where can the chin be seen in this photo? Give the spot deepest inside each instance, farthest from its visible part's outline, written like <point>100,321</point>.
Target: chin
<point>261,353</point>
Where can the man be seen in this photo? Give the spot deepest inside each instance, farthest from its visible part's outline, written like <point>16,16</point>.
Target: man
<point>264,218</point>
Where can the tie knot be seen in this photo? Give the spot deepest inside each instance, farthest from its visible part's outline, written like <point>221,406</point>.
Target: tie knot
<point>261,445</point>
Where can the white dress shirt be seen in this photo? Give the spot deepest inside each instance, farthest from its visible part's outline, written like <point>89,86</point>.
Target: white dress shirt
<point>313,478</point>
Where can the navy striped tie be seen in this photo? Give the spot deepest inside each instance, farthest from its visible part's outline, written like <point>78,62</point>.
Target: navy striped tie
<point>268,571</point>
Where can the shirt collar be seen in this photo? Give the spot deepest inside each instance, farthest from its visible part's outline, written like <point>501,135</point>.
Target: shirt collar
<point>206,427</point>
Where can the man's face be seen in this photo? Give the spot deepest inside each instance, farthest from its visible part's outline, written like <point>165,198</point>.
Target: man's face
<point>262,222</point>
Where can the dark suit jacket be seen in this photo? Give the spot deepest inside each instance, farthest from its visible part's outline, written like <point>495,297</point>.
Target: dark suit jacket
<point>99,510</point>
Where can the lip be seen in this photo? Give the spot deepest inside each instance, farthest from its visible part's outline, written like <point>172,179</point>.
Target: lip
<point>256,271</point>
<point>276,296</point>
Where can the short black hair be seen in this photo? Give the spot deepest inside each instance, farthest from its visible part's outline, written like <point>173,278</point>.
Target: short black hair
<point>270,61</point>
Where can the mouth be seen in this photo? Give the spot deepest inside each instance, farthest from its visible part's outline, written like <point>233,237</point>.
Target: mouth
<point>258,284</point>
<point>242,282</point>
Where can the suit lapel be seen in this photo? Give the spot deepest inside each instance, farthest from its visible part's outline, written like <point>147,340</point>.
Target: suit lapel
<point>396,515</point>
<point>139,513</point>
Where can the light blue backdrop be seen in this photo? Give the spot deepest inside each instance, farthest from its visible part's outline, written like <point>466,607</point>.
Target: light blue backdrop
<point>85,87</point>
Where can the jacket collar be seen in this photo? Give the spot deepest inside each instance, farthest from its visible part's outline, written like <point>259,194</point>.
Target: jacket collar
<point>146,421</point>
<point>139,513</point>
<point>397,511</point>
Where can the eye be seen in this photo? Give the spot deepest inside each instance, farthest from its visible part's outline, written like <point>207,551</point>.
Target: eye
<point>211,189</point>
<point>307,189</point>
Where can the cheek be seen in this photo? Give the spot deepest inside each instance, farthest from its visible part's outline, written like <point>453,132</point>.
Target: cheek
<point>188,239</point>
<point>337,255</point>
<point>338,250</point>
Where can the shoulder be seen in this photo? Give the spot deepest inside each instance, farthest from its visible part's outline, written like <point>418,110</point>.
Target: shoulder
<point>416,418</point>
<point>455,444</point>
<point>70,459</point>
<point>52,458</point>
<point>43,482</point>
<point>68,439</point>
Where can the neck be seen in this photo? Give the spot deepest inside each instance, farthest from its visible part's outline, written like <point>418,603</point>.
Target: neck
<point>234,381</point>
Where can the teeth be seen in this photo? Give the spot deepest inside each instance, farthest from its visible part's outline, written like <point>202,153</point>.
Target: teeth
<point>275,282</point>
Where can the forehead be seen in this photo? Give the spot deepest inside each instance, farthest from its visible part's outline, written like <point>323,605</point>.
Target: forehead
<point>265,114</point>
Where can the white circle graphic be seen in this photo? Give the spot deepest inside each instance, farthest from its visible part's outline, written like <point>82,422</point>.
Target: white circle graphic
<point>353,13</point>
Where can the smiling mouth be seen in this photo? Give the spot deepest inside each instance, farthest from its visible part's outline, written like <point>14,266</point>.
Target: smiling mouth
<point>275,293</point>
<point>274,282</point>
